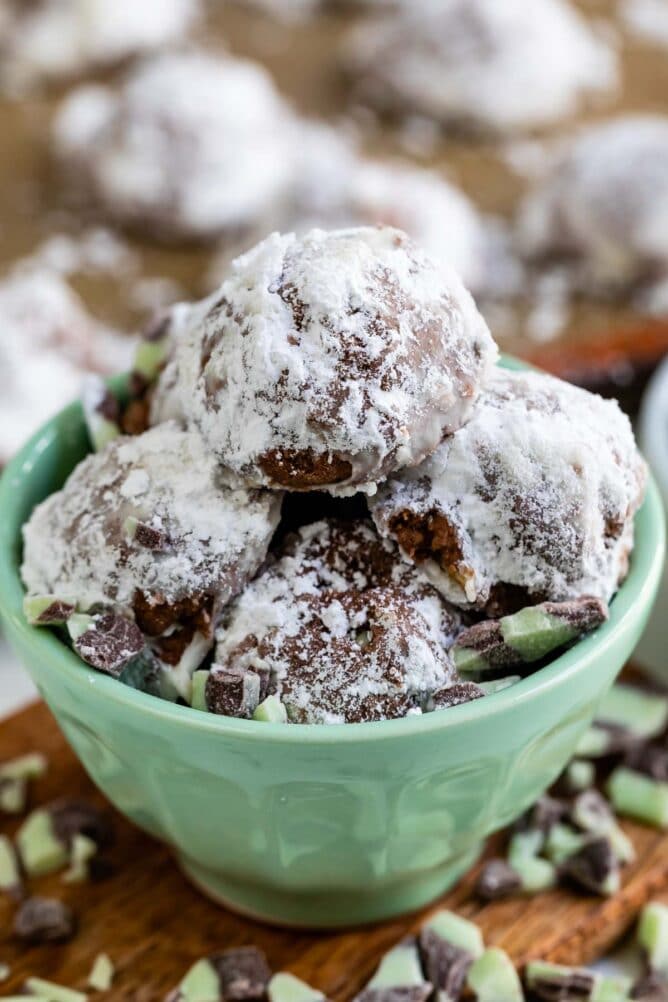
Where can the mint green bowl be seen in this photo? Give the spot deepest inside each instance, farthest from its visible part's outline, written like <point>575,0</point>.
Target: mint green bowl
<point>312,825</point>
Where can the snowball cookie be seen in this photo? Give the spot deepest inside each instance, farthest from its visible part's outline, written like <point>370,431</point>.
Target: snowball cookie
<point>192,147</point>
<point>532,500</point>
<point>340,628</point>
<point>332,359</point>
<point>48,342</point>
<point>480,64</point>
<point>146,529</point>
<point>56,39</point>
<point>604,204</point>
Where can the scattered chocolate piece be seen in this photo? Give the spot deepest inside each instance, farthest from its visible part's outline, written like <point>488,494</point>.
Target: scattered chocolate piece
<point>652,937</point>
<point>101,412</point>
<point>10,872</point>
<point>47,990</point>
<point>47,610</point>
<point>152,537</point>
<point>494,979</point>
<point>455,694</point>
<point>556,983</point>
<point>544,815</point>
<point>399,977</point>
<point>72,817</point>
<point>285,987</point>
<point>445,965</point>
<point>109,643</point>
<point>650,988</point>
<point>497,880</point>
<point>233,692</point>
<point>243,974</point>
<point>650,759</point>
<point>201,982</point>
<point>13,795</point>
<point>592,813</point>
<point>643,713</point>
<point>638,796</point>
<point>40,849</point>
<point>102,973</point>
<point>271,711</point>
<point>29,766</point>
<point>44,920</point>
<point>527,635</point>
<point>82,851</point>
<point>594,867</point>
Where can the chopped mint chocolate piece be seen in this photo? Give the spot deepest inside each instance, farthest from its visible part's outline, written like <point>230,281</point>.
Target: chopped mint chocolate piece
<point>29,766</point>
<point>10,873</point>
<point>243,974</point>
<point>639,796</point>
<point>40,849</point>
<point>535,874</point>
<point>544,815</point>
<point>497,880</point>
<point>271,711</point>
<point>52,992</point>
<point>233,692</point>
<point>650,988</point>
<point>151,355</point>
<point>82,851</point>
<point>44,920</point>
<point>644,714</point>
<point>78,624</point>
<point>594,867</point>
<point>652,936</point>
<point>101,412</point>
<point>592,813</point>
<point>601,740</point>
<point>201,984</point>
<point>78,817</point>
<point>445,965</point>
<point>554,982</point>
<point>455,694</point>
<point>527,635</point>
<point>13,795</point>
<point>198,691</point>
<point>149,536</point>
<point>579,775</point>
<point>110,643</point>
<point>285,987</point>
<point>525,843</point>
<point>102,973</point>
<point>563,841</point>
<point>494,979</point>
<point>498,684</point>
<point>47,610</point>
<point>649,759</point>
<point>456,930</point>
<point>5,971</point>
<point>399,977</point>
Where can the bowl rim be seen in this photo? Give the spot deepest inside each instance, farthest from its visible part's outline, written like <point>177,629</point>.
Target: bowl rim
<point>632,598</point>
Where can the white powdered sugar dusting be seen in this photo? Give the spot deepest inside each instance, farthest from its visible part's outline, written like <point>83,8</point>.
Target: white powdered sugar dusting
<point>604,205</point>
<point>330,359</point>
<point>54,39</point>
<point>344,629</point>
<point>192,145</point>
<point>48,342</point>
<point>481,63</point>
<point>203,539</point>
<point>537,491</point>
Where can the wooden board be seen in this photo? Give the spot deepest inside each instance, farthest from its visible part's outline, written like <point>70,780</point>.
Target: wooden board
<point>154,925</point>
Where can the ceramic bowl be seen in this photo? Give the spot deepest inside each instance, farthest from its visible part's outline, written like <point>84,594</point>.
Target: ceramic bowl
<point>315,825</point>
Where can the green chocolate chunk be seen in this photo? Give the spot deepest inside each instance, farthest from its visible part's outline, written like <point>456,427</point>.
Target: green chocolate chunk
<point>652,936</point>
<point>82,851</point>
<point>29,766</point>
<point>459,931</point>
<point>592,813</point>
<point>644,714</point>
<point>535,874</point>
<point>13,795</point>
<point>51,992</point>
<point>494,979</point>
<point>271,711</point>
<point>285,987</point>
<point>10,874</point>
<point>399,968</point>
<point>525,844</point>
<point>594,743</point>
<point>201,983</point>
<point>639,797</point>
<point>579,775</point>
<point>198,691</point>
<point>5,971</point>
<point>532,633</point>
<point>554,981</point>
<point>563,841</point>
<point>150,357</point>
<point>48,610</point>
<point>40,850</point>
<point>78,624</point>
<point>102,974</point>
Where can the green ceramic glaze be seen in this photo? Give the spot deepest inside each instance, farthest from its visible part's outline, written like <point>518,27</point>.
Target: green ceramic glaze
<point>308,825</point>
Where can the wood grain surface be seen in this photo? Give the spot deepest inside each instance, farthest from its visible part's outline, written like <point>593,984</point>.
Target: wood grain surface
<point>154,924</point>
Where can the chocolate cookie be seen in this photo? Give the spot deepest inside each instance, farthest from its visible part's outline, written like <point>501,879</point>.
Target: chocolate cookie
<point>532,500</point>
<point>330,360</point>
<point>191,147</point>
<point>603,205</point>
<point>339,628</point>
<point>480,64</point>
<point>145,530</point>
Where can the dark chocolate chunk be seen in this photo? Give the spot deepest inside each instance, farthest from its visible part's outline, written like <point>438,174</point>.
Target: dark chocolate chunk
<point>652,987</point>
<point>44,920</point>
<point>110,644</point>
<point>151,538</point>
<point>595,866</point>
<point>650,759</point>
<point>453,695</point>
<point>243,972</point>
<point>543,815</point>
<point>233,692</point>
<point>76,817</point>
<point>497,880</point>
<point>445,965</point>
<point>57,612</point>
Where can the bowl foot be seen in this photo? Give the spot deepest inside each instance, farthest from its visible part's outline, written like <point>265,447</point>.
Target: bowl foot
<point>327,910</point>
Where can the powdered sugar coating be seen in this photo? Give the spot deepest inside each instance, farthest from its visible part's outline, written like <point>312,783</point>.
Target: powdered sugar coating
<point>533,499</point>
<point>48,342</point>
<point>604,204</point>
<point>342,628</point>
<point>481,63</point>
<point>54,39</point>
<point>198,537</point>
<point>191,147</point>
<point>333,358</point>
